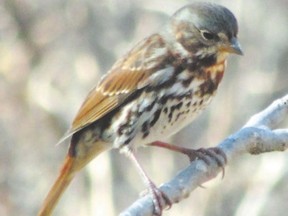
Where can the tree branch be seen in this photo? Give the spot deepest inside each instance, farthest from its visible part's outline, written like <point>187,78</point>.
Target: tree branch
<point>256,137</point>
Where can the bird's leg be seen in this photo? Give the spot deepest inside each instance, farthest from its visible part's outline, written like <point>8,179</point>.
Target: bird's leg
<point>215,153</point>
<point>157,195</point>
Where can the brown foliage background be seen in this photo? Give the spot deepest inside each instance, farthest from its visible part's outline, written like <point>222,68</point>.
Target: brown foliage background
<point>53,52</point>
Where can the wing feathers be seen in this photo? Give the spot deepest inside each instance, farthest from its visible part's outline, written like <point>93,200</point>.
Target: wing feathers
<point>126,76</point>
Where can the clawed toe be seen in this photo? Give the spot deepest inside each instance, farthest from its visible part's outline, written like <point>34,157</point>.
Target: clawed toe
<point>160,200</point>
<point>206,155</point>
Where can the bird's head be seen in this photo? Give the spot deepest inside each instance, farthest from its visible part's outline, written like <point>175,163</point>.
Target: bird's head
<point>205,29</point>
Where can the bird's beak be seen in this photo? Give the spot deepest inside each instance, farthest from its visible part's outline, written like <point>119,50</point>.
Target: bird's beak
<point>232,47</point>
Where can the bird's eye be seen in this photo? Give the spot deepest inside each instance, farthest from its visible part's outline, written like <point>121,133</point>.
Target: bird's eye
<point>207,35</point>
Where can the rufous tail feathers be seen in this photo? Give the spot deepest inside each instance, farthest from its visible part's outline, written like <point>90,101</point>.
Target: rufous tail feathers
<point>66,175</point>
<point>72,164</point>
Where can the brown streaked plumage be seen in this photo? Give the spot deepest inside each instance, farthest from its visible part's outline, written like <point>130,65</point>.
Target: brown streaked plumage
<point>158,88</point>
<point>130,72</point>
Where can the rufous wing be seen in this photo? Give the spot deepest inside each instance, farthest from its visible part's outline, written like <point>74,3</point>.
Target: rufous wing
<point>127,75</point>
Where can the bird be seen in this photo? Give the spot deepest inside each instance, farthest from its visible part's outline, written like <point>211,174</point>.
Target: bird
<point>152,92</point>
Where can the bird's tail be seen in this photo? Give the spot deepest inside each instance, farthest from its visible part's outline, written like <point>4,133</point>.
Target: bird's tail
<point>71,166</point>
<point>65,177</point>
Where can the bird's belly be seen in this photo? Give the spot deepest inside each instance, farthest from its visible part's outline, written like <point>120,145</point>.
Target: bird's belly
<point>175,115</point>
<point>160,113</point>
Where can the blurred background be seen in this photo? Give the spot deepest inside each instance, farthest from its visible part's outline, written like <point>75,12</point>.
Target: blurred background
<point>53,52</point>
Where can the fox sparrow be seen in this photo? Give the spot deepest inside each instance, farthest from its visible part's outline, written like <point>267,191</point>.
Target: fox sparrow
<point>156,89</point>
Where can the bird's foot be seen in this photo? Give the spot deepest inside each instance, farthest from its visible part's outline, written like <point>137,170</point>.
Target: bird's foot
<point>206,155</point>
<point>160,199</point>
